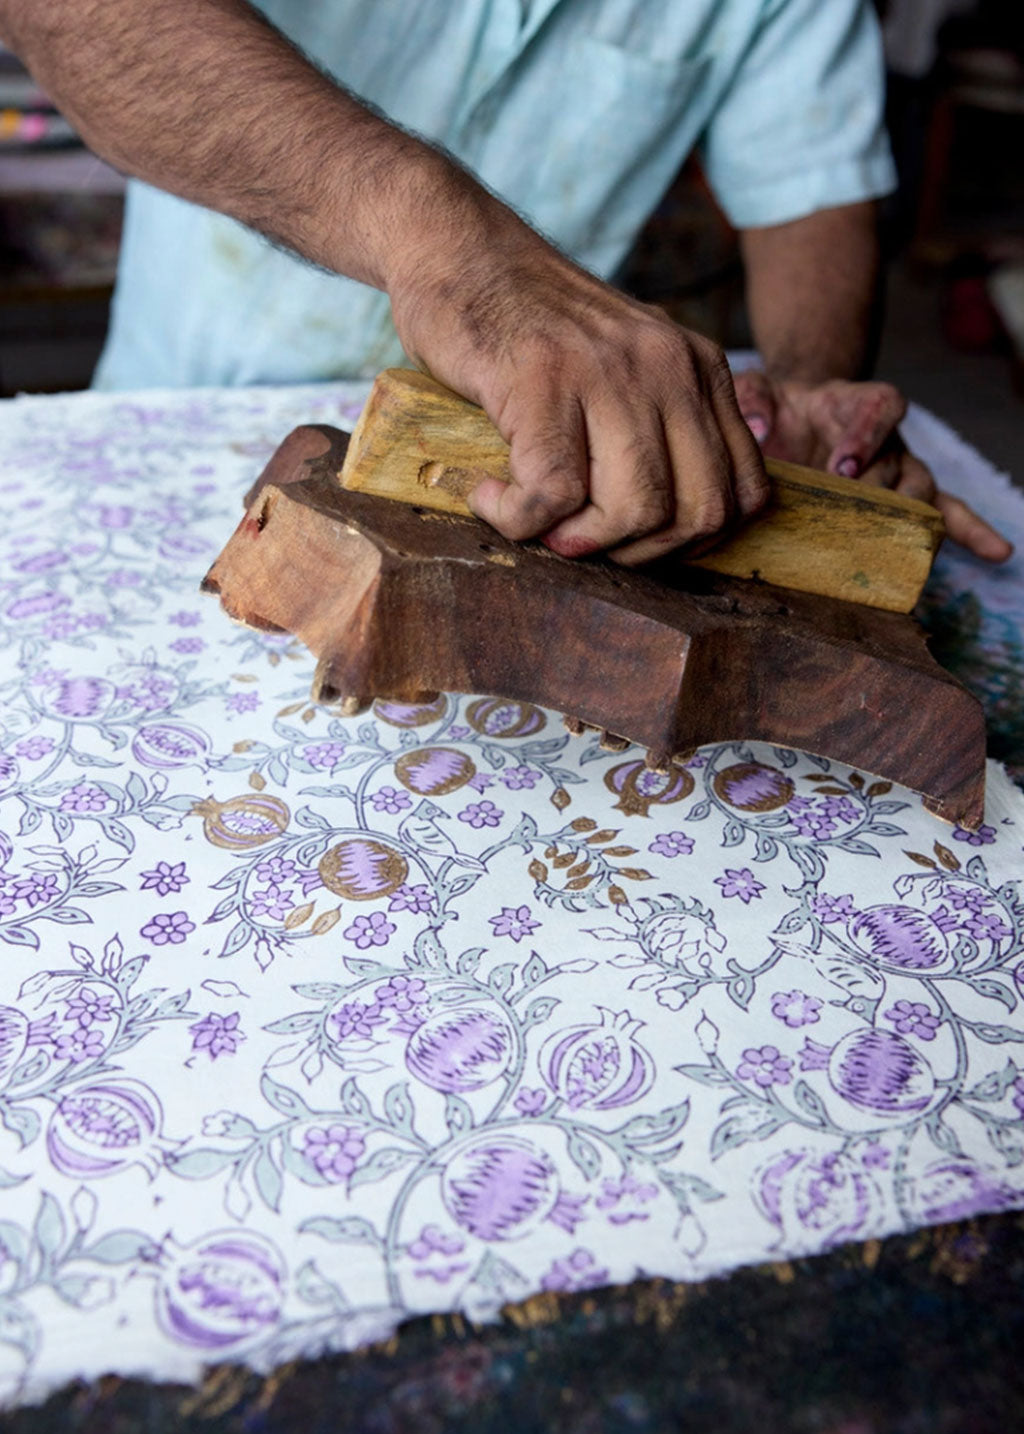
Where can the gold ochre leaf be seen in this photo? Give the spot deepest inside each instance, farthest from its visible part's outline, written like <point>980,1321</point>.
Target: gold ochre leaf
<point>538,870</point>
<point>298,916</point>
<point>256,782</point>
<point>583,824</point>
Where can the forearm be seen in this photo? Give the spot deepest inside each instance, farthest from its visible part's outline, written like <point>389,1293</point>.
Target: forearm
<point>812,293</point>
<point>205,99</point>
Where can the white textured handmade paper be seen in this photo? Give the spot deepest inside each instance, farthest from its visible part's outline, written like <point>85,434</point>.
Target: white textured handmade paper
<point>308,1024</point>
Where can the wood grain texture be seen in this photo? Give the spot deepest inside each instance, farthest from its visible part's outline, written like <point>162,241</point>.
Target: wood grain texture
<point>401,602</point>
<point>418,442</point>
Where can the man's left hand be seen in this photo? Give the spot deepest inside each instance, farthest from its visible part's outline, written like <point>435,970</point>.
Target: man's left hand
<point>853,429</point>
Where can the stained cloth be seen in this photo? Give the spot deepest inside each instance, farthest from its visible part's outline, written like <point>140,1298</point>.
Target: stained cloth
<point>308,1024</point>
<point>579,113</point>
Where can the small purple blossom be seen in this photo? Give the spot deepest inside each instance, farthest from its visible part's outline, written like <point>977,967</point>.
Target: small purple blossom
<point>814,824</point>
<point>672,844</point>
<point>324,755</point>
<point>913,1018</point>
<point>876,1157</point>
<point>123,578</point>
<point>515,778</point>
<point>621,1198</point>
<point>796,1008</point>
<point>481,814</point>
<point>373,930</point>
<point>986,926</point>
<point>273,901</point>
<point>36,889</point>
<point>83,797</point>
<point>530,1102</point>
<point>165,878</point>
<point>185,619</point>
<point>168,928</point>
<point>217,1035</point>
<point>242,702</point>
<point>839,808</point>
<point>32,748</point>
<point>458,734</point>
<point>187,644</point>
<point>982,837</point>
<point>87,1006</point>
<point>432,1240</point>
<point>391,800</point>
<point>81,1044</point>
<point>515,922</point>
<point>578,1271</point>
<point>765,1066</point>
<point>402,993</point>
<point>356,1018</point>
<point>275,869</point>
<point>334,1151</point>
<point>832,908</point>
<point>411,898</point>
<point>740,883</point>
<point>480,781</point>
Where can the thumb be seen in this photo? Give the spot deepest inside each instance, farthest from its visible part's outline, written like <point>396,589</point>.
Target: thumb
<point>756,400</point>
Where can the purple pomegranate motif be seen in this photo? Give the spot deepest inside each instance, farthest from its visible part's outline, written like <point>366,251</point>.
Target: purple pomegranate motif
<point>816,1201</point>
<point>170,744</point>
<point>881,1073</point>
<point>752,787</point>
<point>181,546</point>
<point>460,1050</point>
<point>225,1289</point>
<point>411,714</point>
<point>363,870</point>
<point>500,1187</point>
<point>639,788</point>
<point>496,717</point>
<point>79,697</point>
<point>956,1189</point>
<point>434,771</point>
<point>598,1067</point>
<point>898,938</point>
<point>37,605</point>
<point>106,1127</point>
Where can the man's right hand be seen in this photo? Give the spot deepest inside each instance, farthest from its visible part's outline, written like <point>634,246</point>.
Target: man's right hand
<point>623,427</point>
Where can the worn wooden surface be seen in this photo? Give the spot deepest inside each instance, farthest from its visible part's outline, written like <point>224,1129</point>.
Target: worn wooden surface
<point>396,601</point>
<point>418,442</point>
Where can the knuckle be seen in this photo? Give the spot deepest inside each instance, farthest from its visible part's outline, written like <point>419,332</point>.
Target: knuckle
<point>709,516</point>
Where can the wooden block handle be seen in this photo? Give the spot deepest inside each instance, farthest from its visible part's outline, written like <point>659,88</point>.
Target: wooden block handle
<point>421,444</point>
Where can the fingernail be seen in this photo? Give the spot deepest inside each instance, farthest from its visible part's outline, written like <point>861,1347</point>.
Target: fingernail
<point>757,425</point>
<point>848,467</point>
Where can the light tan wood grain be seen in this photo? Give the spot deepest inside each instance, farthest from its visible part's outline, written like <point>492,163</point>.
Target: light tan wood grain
<point>421,444</point>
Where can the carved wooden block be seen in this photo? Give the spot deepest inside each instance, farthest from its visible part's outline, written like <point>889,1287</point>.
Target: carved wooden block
<point>400,602</point>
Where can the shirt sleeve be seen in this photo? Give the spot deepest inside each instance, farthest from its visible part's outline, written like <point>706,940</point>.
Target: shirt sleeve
<point>801,126</point>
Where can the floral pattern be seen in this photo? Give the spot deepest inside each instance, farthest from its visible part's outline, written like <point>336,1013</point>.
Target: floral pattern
<point>309,1024</point>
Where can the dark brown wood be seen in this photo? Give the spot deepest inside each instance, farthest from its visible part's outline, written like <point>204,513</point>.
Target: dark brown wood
<point>398,602</point>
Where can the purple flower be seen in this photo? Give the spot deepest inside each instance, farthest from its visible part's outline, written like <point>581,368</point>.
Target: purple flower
<point>672,844</point>
<point>60,626</point>
<point>765,1066</point>
<point>480,781</point>
<point>401,993</point>
<point>411,898</point>
<point>987,926</point>
<point>578,1271</point>
<point>87,1006</point>
<point>334,1150</point>
<point>242,702</point>
<point>875,1157</point>
<point>217,1035</point>
<point>431,1240</point>
<point>275,869</point>
<point>831,908</point>
<point>982,837</point>
<point>81,1044</point>
<point>621,1197</point>
<point>374,930</point>
<point>185,619</point>
<point>481,814</point>
<point>515,922</point>
<point>150,691</point>
<point>123,578</point>
<point>36,889</point>
<point>530,1102</point>
<point>33,748</point>
<point>515,778</point>
<point>796,1008</point>
<point>913,1018</point>
<point>814,824</point>
<point>164,878</point>
<point>84,797</point>
<point>273,902</point>
<point>187,644</point>
<point>168,927</point>
<point>740,883</point>
<point>391,800</point>
<point>841,808</point>
<point>355,1018</point>
<point>324,755</point>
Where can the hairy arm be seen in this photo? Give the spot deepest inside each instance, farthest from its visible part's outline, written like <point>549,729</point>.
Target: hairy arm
<point>623,427</point>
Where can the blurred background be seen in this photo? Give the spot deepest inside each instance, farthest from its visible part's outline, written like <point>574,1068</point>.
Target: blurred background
<point>954,234</point>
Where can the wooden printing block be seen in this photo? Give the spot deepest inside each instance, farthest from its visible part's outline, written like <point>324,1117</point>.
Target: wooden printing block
<point>399,602</point>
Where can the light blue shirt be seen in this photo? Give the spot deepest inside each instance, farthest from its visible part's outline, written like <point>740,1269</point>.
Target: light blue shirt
<point>578,112</point>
